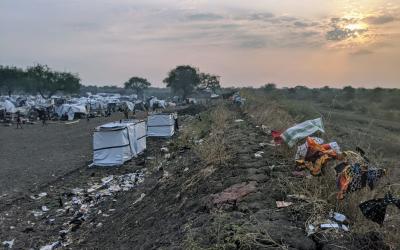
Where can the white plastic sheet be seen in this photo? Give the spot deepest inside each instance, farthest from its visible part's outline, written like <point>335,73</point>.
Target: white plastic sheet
<point>115,143</point>
<point>160,125</point>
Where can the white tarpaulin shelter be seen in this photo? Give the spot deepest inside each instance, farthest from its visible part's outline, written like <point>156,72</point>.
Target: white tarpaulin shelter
<point>117,142</point>
<point>70,110</point>
<point>161,125</point>
<point>9,106</point>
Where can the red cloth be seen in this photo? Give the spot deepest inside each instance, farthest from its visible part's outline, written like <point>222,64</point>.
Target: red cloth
<point>277,137</point>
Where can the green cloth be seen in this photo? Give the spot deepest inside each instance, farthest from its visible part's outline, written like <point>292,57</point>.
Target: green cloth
<point>302,130</point>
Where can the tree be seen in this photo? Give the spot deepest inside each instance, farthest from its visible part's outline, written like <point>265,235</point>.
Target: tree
<point>47,82</point>
<point>12,79</point>
<point>269,87</point>
<point>349,92</point>
<point>183,80</point>
<point>208,81</point>
<point>138,84</point>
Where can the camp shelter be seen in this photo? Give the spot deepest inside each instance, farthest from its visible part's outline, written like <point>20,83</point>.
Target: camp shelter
<point>161,125</point>
<point>117,142</point>
<point>70,110</point>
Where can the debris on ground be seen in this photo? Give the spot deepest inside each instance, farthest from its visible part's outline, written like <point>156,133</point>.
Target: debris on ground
<point>336,221</point>
<point>139,199</point>
<point>314,155</point>
<point>283,204</point>
<point>355,173</point>
<point>234,193</point>
<point>38,196</point>
<point>375,210</point>
<point>51,246</point>
<point>8,243</point>
<point>239,120</point>
<point>302,130</point>
<point>258,154</point>
<point>277,137</point>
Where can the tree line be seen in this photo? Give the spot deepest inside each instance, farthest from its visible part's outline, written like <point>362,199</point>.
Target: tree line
<point>38,79</point>
<point>41,79</point>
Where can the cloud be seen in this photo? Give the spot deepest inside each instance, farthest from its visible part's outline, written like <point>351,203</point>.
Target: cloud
<point>379,20</point>
<point>266,16</point>
<point>340,29</point>
<point>362,52</point>
<point>204,17</point>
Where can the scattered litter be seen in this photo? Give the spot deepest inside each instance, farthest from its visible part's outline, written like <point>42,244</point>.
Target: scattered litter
<point>299,173</point>
<point>73,122</point>
<point>8,243</point>
<point>167,156</point>
<point>336,221</point>
<point>277,138</point>
<point>186,169</point>
<point>375,209</point>
<point>282,204</point>
<point>302,130</point>
<point>38,196</point>
<point>99,224</point>
<point>164,150</point>
<point>313,155</point>
<point>45,209</point>
<point>199,142</point>
<point>239,120</point>
<point>37,213</point>
<point>51,246</point>
<point>263,144</point>
<point>355,173</point>
<point>139,199</point>
<point>259,154</point>
<point>234,193</point>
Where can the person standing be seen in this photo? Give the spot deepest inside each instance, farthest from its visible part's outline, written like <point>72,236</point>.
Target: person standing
<point>19,123</point>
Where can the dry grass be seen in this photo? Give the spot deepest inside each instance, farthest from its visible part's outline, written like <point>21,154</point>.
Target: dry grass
<point>213,151</point>
<point>321,191</point>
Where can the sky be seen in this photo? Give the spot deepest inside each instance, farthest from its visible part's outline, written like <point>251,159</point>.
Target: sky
<point>247,43</point>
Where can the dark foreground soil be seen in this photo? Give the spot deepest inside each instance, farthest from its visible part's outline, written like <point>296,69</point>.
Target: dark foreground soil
<point>36,155</point>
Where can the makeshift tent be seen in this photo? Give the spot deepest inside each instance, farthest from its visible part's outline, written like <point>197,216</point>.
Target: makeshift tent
<point>9,106</point>
<point>117,142</point>
<point>161,125</point>
<point>71,110</point>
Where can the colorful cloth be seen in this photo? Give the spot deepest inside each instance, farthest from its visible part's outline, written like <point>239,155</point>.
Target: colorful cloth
<point>351,178</point>
<point>375,209</point>
<point>316,156</point>
<point>302,130</point>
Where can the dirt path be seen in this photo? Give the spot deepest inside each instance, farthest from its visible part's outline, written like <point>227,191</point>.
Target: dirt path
<point>36,155</point>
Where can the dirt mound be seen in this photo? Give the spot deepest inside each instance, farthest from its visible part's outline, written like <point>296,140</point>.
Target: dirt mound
<point>192,109</point>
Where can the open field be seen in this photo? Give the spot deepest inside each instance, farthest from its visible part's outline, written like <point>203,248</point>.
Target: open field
<point>36,155</point>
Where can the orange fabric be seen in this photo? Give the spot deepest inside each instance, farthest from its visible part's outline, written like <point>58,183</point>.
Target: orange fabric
<point>344,181</point>
<point>325,151</point>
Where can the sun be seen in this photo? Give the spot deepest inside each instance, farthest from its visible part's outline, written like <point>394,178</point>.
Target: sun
<point>356,26</point>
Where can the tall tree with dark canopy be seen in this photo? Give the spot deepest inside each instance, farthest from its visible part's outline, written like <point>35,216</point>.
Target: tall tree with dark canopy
<point>138,84</point>
<point>183,80</point>
<point>12,79</point>
<point>47,82</point>
<point>208,81</point>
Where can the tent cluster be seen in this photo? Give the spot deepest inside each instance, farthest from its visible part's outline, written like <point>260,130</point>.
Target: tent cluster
<point>354,170</point>
<point>30,108</point>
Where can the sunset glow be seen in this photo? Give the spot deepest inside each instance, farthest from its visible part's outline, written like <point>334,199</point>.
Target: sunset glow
<point>246,43</point>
